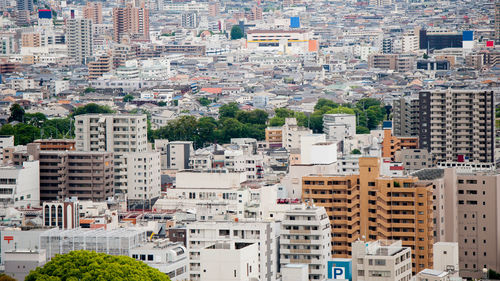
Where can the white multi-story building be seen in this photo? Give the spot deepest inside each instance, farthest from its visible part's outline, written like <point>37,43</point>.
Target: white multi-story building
<point>167,257</point>
<point>265,234</point>
<point>143,177</point>
<point>196,189</point>
<point>291,133</point>
<point>20,185</point>
<point>5,141</point>
<point>305,238</point>
<point>381,260</point>
<point>174,155</point>
<point>337,127</point>
<point>230,261</point>
<point>446,257</point>
<point>239,161</point>
<point>120,134</point>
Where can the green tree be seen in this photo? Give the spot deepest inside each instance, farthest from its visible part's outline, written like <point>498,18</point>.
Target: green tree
<point>362,130</point>
<point>325,102</point>
<point>355,151</point>
<point>493,275</point>
<point>89,90</point>
<point>162,103</point>
<point>276,121</point>
<point>92,108</point>
<point>4,277</point>
<point>341,110</point>
<point>230,128</point>
<point>228,110</point>
<point>16,113</point>
<point>89,266</point>
<point>204,101</point>
<point>36,119</point>
<point>236,32</point>
<point>128,98</point>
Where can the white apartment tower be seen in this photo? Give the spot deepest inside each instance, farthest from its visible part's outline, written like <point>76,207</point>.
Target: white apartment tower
<point>79,37</point>
<point>305,238</point>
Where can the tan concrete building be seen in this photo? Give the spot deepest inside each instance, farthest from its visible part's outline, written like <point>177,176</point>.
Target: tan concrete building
<point>56,144</point>
<point>467,211</point>
<point>375,207</point>
<point>93,11</point>
<point>103,64</point>
<point>130,23</point>
<point>274,137</point>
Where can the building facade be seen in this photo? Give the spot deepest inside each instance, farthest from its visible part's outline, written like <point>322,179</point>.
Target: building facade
<point>80,40</point>
<point>305,238</point>
<point>375,207</point>
<point>458,125</point>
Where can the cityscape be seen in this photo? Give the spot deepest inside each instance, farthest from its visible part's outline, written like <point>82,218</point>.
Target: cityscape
<point>257,140</point>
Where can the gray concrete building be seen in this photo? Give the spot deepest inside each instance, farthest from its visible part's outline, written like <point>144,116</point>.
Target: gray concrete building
<point>79,38</point>
<point>405,122</point>
<point>458,124</point>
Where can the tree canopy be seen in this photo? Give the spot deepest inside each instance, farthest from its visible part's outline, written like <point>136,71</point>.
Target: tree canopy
<point>236,32</point>
<point>16,113</point>
<point>92,108</point>
<point>128,98</point>
<point>91,266</point>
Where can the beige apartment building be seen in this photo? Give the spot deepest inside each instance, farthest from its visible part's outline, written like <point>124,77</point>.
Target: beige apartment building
<point>130,23</point>
<point>467,211</point>
<point>93,11</point>
<point>377,208</point>
<point>102,65</point>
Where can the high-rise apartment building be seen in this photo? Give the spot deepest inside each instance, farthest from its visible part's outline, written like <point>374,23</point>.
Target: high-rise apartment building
<point>126,137</point>
<point>79,39</point>
<point>24,5</point>
<point>117,133</point>
<point>458,124</point>
<point>374,207</point>
<point>93,11</point>
<point>497,21</point>
<point>189,20</point>
<point>130,23</point>
<point>405,121</point>
<point>466,211</point>
<point>305,238</point>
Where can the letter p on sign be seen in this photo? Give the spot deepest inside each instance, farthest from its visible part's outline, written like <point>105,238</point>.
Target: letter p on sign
<point>338,273</point>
